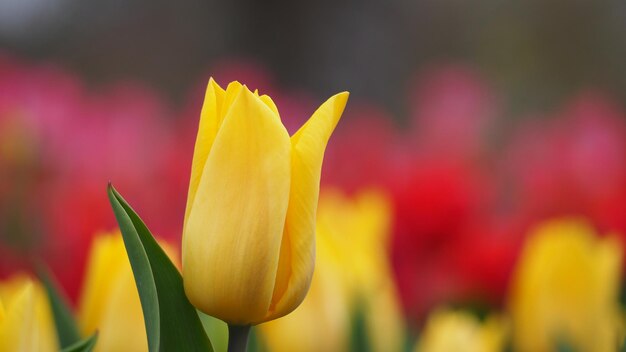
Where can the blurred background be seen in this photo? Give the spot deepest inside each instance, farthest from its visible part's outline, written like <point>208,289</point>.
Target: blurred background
<point>536,53</point>
<point>471,128</point>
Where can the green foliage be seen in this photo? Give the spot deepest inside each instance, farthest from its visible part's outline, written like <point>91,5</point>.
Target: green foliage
<point>562,345</point>
<point>67,331</point>
<point>359,339</point>
<point>85,345</point>
<point>255,343</point>
<point>217,331</point>
<point>172,323</point>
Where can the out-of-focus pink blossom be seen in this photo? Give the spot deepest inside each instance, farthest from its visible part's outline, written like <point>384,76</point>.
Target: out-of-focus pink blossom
<point>60,146</point>
<point>362,151</point>
<point>452,111</point>
<point>572,163</point>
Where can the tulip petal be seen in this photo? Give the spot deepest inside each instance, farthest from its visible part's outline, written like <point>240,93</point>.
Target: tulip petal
<point>297,253</point>
<point>107,259</point>
<point>207,129</point>
<point>270,103</point>
<point>232,92</point>
<point>216,105</point>
<point>18,330</point>
<point>232,239</point>
<point>110,302</point>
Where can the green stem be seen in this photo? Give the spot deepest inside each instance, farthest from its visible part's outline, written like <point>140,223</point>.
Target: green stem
<point>238,338</point>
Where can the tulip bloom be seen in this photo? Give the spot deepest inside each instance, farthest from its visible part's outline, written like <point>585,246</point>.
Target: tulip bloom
<point>109,301</point>
<point>566,289</point>
<point>25,317</point>
<point>249,235</point>
<point>449,330</point>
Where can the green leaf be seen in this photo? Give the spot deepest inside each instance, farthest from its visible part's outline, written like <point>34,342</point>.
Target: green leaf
<point>216,330</point>
<point>67,330</point>
<point>85,345</point>
<point>172,323</point>
<point>563,346</point>
<point>255,343</point>
<point>359,339</point>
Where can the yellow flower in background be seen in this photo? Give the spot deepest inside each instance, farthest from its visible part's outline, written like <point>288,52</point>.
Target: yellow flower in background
<point>453,331</point>
<point>352,272</point>
<point>26,322</point>
<point>321,322</point>
<point>249,234</point>
<point>565,289</point>
<point>357,233</point>
<point>109,301</point>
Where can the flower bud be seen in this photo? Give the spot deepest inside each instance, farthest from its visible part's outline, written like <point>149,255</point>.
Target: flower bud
<point>249,236</point>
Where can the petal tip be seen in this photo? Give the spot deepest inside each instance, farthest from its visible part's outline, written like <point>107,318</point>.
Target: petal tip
<point>340,100</point>
<point>213,83</point>
<point>342,97</point>
<point>247,93</point>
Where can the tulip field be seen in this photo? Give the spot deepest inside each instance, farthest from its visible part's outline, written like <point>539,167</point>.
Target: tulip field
<point>249,216</point>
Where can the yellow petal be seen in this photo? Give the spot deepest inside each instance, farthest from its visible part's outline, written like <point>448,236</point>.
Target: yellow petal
<point>122,326</point>
<point>19,323</point>
<point>233,233</point>
<point>321,322</point>
<point>217,102</point>
<point>27,324</point>
<point>567,281</point>
<point>297,253</point>
<point>232,92</point>
<point>110,302</point>
<point>106,261</point>
<point>450,330</point>
<point>2,312</point>
<point>270,103</point>
<point>210,120</point>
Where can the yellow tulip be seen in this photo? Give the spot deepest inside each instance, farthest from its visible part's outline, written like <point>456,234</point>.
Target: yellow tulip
<point>565,289</point>
<point>249,233</point>
<point>352,272</point>
<point>109,301</point>
<point>26,323</point>
<point>452,331</point>
<point>357,231</point>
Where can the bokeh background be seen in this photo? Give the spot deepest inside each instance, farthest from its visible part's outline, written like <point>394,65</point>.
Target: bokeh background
<point>470,126</point>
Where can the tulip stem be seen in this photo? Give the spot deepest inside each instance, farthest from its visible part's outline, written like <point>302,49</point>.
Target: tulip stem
<point>238,337</point>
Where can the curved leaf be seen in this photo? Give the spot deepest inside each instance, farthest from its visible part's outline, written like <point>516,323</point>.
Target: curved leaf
<point>67,330</point>
<point>85,345</point>
<point>172,323</point>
